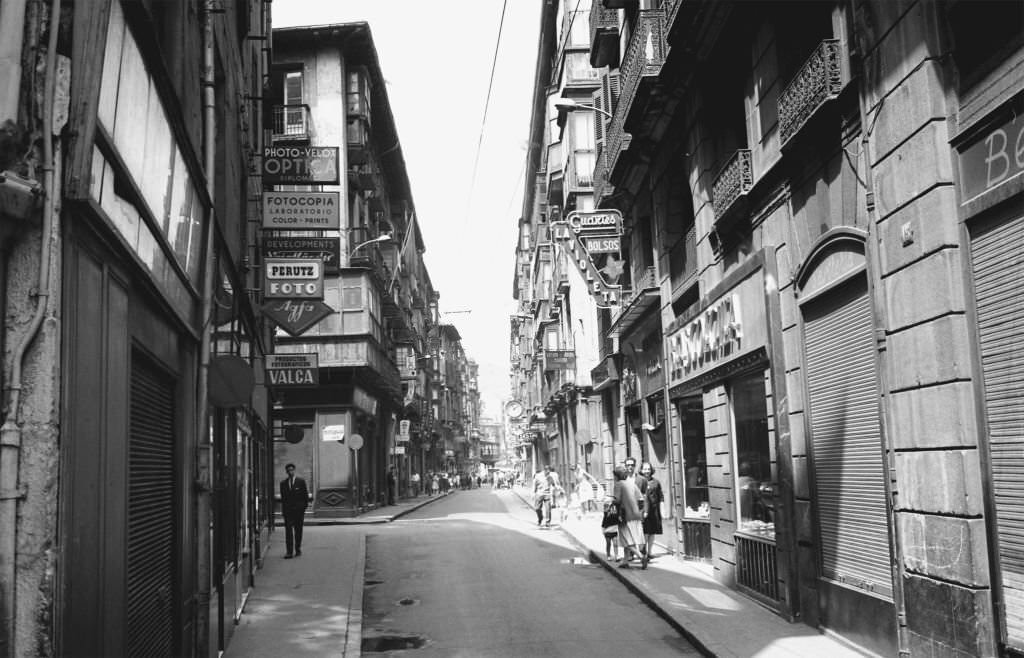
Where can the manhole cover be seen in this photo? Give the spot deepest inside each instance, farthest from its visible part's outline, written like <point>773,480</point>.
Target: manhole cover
<point>383,643</point>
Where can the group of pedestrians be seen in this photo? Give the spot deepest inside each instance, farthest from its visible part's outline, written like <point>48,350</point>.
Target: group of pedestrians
<point>632,516</point>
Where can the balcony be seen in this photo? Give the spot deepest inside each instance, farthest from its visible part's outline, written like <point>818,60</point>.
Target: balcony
<point>602,188</point>
<point>292,123</point>
<point>642,64</point>
<point>818,81</point>
<point>732,185</point>
<point>357,141</point>
<point>644,296</point>
<point>604,35</point>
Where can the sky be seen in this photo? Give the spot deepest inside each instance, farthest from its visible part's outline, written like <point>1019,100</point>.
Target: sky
<point>466,172</point>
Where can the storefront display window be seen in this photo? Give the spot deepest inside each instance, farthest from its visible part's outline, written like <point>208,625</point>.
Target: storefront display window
<point>754,463</point>
<point>695,462</point>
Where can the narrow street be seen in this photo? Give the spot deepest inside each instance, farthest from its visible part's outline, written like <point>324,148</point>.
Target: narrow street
<point>472,575</point>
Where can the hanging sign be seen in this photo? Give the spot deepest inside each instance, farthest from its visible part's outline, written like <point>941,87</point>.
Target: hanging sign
<point>595,221</point>
<point>292,278</point>
<point>300,165</point>
<point>398,450</point>
<point>293,369</point>
<point>602,245</point>
<point>403,430</point>
<point>294,315</point>
<point>326,249</point>
<point>302,210</point>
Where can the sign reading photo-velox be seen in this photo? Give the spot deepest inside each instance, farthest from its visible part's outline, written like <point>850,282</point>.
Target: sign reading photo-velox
<point>293,279</point>
<point>300,165</point>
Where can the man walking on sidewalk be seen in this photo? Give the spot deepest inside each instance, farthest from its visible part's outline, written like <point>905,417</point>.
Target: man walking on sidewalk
<point>294,500</point>
<point>542,492</point>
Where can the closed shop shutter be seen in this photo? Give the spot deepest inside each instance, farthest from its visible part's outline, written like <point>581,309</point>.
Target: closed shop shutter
<point>997,255</point>
<point>846,439</point>
<point>151,518</point>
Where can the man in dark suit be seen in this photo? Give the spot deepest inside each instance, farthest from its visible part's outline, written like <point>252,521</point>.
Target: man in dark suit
<point>294,500</point>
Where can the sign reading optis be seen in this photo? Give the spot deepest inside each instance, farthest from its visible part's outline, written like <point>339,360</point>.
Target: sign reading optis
<point>302,165</point>
<point>713,335</point>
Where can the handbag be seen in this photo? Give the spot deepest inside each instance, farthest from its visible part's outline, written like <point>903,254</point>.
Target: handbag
<point>611,515</point>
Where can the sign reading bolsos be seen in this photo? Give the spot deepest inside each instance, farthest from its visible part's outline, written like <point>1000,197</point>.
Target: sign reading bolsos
<point>301,210</point>
<point>302,165</point>
<point>293,369</point>
<point>286,278</point>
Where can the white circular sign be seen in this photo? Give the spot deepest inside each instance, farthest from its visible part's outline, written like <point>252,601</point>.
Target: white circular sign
<point>355,442</point>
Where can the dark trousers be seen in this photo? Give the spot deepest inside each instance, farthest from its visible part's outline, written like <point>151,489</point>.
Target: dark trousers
<point>293,531</point>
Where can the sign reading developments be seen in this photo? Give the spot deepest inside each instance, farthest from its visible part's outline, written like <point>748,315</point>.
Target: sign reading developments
<point>301,210</point>
<point>302,165</point>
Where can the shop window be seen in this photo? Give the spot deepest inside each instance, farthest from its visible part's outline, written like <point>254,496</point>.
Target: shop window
<point>754,479</point>
<point>695,458</point>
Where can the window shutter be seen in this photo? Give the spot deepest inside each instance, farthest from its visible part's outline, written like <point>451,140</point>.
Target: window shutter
<point>596,100</point>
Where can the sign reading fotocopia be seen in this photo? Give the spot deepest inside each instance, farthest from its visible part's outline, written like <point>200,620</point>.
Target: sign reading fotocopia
<point>301,210</point>
<point>285,165</point>
<point>286,278</point>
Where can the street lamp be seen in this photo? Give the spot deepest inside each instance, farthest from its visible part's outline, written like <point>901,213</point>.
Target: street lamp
<point>569,105</point>
<point>383,237</point>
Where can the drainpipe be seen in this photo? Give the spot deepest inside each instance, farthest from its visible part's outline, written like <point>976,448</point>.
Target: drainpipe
<point>203,448</point>
<point>11,431</point>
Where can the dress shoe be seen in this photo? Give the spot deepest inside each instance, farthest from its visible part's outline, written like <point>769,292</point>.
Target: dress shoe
<point>298,552</point>
<point>288,556</point>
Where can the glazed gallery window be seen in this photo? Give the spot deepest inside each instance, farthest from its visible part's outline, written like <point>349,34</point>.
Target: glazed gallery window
<point>755,476</point>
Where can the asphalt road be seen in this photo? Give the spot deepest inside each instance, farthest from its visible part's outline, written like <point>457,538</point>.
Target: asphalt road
<point>471,575</point>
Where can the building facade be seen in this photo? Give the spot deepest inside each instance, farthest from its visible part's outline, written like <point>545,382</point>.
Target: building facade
<point>821,207</point>
<point>135,455</point>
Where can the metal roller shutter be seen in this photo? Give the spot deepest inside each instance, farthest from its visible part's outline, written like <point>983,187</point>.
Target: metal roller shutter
<point>151,518</point>
<point>846,440</point>
<point>998,261</point>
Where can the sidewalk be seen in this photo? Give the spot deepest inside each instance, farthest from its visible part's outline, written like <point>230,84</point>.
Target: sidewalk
<point>714,618</point>
<point>312,605</point>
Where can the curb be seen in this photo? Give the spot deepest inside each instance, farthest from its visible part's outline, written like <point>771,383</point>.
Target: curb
<point>705,646</point>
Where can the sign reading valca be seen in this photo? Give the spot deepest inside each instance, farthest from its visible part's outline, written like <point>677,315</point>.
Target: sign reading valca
<point>293,279</point>
<point>300,165</point>
<point>301,210</point>
<point>293,369</point>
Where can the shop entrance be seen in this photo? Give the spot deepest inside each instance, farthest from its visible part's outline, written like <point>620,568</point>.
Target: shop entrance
<point>856,588</point>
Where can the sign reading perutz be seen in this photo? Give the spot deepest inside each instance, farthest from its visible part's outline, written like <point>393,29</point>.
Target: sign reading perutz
<point>302,165</point>
<point>327,250</point>
<point>302,210</point>
<point>286,278</point>
<point>293,369</point>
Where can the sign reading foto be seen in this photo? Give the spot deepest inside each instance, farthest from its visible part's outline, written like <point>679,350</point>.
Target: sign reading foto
<point>293,369</point>
<point>301,210</point>
<point>287,278</point>
<point>300,165</point>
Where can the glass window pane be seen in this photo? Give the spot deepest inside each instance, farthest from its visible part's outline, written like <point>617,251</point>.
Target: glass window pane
<point>755,490</point>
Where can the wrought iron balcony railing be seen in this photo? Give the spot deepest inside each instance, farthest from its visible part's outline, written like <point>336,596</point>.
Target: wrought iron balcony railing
<point>733,182</point>
<point>645,55</point>
<point>292,123</point>
<point>604,34</point>
<point>818,81</point>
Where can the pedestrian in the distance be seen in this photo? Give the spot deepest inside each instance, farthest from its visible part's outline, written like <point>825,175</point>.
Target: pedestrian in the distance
<point>631,532</point>
<point>435,485</point>
<point>543,489</point>
<point>415,480</point>
<point>653,497</point>
<point>294,500</point>
<point>610,530</point>
<point>392,485</point>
